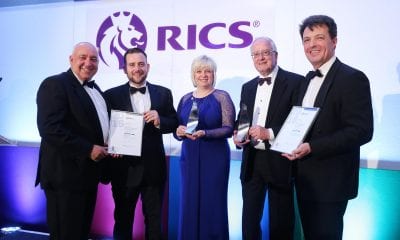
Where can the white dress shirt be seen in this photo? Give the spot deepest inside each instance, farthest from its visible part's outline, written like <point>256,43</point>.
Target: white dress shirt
<point>101,108</point>
<point>140,102</point>
<point>261,105</point>
<point>316,83</point>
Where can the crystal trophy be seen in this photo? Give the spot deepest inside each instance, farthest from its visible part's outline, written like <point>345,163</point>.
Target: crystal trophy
<point>243,124</point>
<point>193,119</point>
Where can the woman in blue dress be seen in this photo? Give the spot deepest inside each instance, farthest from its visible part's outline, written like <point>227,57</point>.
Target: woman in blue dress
<point>205,156</point>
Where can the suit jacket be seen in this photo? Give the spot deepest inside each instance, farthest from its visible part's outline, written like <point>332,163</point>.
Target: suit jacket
<point>69,126</point>
<point>344,123</point>
<point>282,98</point>
<point>153,159</point>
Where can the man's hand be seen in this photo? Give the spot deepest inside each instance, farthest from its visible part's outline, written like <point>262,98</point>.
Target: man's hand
<point>259,133</point>
<point>181,131</point>
<point>98,153</point>
<point>237,143</point>
<point>152,116</point>
<point>301,151</point>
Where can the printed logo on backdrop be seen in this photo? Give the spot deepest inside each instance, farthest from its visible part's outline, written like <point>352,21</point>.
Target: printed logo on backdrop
<point>118,33</point>
<point>123,30</point>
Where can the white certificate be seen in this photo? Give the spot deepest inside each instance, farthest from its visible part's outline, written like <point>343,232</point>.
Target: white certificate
<point>294,129</point>
<point>126,130</point>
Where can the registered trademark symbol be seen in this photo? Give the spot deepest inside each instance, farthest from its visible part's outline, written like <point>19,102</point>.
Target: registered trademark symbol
<point>256,23</point>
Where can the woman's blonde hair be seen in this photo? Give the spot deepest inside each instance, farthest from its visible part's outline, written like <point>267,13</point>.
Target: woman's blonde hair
<point>202,62</point>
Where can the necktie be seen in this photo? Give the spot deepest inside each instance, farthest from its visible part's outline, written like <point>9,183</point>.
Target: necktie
<point>311,74</point>
<point>142,90</point>
<point>261,81</point>
<point>88,83</point>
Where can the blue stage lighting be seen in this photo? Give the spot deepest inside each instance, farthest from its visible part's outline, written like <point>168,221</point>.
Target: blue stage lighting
<point>10,229</point>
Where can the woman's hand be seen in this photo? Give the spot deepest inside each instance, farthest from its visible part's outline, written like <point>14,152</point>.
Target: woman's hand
<point>181,131</point>
<point>196,135</point>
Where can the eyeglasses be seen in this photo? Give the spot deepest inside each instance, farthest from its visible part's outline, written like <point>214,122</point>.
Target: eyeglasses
<point>266,53</point>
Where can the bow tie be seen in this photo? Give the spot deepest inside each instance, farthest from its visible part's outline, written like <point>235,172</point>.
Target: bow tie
<point>261,81</point>
<point>311,74</point>
<point>142,90</point>
<point>88,83</point>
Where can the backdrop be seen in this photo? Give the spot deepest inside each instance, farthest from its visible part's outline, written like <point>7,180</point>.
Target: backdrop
<point>37,39</point>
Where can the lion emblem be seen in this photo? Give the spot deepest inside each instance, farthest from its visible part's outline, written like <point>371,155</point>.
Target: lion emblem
<point>118,33</point>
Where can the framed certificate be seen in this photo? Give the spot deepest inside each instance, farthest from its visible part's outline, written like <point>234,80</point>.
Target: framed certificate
<point>294,129</point>
<point>126,130</point>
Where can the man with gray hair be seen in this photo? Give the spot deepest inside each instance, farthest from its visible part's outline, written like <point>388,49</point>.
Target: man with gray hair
<point>268,98</point>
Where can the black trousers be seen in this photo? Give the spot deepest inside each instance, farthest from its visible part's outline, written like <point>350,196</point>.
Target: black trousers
<point>125,199</point>
<point>322,220</point>
<point>70,213</point>
<point>280,202</point>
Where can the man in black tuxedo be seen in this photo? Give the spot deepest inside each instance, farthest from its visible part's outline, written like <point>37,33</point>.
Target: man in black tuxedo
<point>329,159</point>
<point>72,119</point>
<point>145,175</point>
<point>269,98</point>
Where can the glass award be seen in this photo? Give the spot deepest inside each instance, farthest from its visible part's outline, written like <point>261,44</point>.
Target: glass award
<point>243,124</point>
<point>193,119</point>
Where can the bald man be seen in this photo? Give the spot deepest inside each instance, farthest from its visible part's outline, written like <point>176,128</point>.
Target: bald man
<point>72,120</point>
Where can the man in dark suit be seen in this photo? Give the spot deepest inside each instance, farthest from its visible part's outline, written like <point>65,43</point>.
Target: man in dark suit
<point>72,119</point>
<point>132,176</point>
<point>268,99</point>
<point>329,159</point>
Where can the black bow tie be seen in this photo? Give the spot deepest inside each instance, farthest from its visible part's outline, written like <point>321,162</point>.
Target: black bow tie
<point>311,74</point>
<point>261,81</point>
<point>88,83</point>
<point>142,90</point>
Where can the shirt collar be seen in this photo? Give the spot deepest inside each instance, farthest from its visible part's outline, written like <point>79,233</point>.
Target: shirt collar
<point>143,85</point>
<point>324,69</point>
<point>272,75</point>
<point>79,80</point>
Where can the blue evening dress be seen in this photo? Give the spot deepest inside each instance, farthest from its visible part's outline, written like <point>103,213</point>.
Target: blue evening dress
<point>204,167</point>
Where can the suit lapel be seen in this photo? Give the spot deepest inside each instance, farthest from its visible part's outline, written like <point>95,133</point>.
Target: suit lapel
<point>83,97</point>
<point>277,92</point>
<point>323,91</point>
<point>154,97</point>
<point>126,98</point>
<point>86,102</point>
<point>250,95</point>
<point>302,91</point>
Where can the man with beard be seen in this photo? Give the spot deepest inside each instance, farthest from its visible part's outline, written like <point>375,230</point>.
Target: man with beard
<point>143,175</point>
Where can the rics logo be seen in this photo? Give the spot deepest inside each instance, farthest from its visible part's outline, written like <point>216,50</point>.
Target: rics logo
<point>118,33</point>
